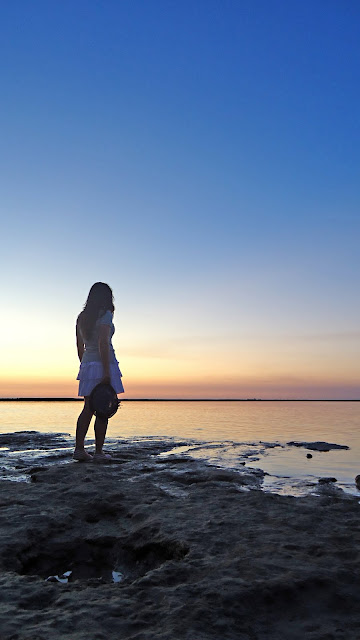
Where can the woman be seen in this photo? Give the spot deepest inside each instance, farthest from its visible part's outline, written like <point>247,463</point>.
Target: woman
<point>94,330</point>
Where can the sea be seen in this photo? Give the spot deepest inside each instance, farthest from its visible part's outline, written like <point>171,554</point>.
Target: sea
<point>231,434</point>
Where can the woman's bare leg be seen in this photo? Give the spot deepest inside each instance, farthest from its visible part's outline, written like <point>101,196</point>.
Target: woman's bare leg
<point>100,433</point>
<point>83,425</point>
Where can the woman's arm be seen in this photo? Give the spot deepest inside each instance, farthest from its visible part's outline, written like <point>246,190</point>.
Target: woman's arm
<point>79,342</point>
<point>104,349</point>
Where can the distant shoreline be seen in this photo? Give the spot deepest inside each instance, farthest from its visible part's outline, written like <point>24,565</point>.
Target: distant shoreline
<point>189,399</point>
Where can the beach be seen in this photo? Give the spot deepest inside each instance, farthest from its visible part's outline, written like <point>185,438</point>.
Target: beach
<point>168,547</point>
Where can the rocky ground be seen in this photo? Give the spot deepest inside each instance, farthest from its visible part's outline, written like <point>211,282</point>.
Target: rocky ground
<point>171,548</point>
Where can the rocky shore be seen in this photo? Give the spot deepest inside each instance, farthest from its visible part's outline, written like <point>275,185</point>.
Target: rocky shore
<point>156,547</point>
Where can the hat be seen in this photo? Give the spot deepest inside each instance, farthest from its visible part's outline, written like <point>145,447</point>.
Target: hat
<point>104,401</point>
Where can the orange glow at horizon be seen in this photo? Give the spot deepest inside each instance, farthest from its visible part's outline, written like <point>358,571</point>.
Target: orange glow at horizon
<point>232,388</point>
<point>265,367</point>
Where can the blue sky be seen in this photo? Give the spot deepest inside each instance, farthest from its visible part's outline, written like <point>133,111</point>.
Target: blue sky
<point>202,158</point>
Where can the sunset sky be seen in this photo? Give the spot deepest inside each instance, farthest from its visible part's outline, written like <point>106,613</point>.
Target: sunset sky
<point>202,158</point>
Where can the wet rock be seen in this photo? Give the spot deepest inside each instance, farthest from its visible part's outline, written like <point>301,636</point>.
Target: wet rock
<point>32,439</point>
<point>326,480</point>
<point>357,482</point>
<point>309,455</point>
<point>317,446</point>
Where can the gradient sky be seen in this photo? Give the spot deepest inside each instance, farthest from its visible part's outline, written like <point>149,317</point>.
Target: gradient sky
<point>202,157</point>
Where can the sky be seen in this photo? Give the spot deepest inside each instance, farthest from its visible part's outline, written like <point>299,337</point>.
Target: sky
<point>202,158</point>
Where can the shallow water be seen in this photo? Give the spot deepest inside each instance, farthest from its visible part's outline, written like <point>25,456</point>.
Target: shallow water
<point>226,433</point>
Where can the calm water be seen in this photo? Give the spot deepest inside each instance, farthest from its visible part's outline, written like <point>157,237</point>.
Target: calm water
<point>225,433</point>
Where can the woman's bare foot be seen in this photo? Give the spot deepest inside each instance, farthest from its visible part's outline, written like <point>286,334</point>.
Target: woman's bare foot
<point>102,457</point>
<point>82,456</point>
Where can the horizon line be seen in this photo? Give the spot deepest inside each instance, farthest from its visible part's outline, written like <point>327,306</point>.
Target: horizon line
<point>77,399</point>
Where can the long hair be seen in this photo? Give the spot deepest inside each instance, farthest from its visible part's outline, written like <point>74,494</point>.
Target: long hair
<point>99,300</point>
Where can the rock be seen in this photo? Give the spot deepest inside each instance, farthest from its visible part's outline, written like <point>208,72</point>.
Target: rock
<point>357,481</point>
<point>318,446</point>
<point>309,455</point>
<point>188,562</point>
<point>327,480</point>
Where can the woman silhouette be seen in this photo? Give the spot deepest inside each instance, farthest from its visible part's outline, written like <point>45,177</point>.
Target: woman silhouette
<point>94,330</point>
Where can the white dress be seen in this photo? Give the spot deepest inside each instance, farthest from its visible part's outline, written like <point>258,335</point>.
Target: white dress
<point>91,370</point>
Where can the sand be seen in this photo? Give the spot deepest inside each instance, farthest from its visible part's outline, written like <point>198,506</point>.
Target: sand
<point>200,552</point>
